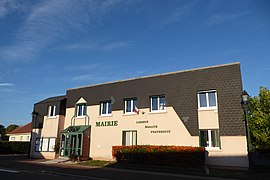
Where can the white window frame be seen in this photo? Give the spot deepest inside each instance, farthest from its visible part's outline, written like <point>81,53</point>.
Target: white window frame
<point>158,104</point>
<point>210,146</point>
<point>107,108</point>
<point>45,144</point>
<point>84,109</point>
<point>207,100</point>
<point>130,137</point>
<point>132,106</point>
<point>54,111</point>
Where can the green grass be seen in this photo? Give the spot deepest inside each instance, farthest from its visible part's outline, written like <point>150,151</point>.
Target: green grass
<point>96,163</point>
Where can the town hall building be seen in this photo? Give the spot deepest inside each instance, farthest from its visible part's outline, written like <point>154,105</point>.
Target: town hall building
<point>196,107</point>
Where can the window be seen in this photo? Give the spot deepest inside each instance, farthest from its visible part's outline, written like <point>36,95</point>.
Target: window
<point>209,138</point>
<point>38,145</point>
<point>106,108</point>
<point>207,99</point>
<point>158,103</point>
<point>45,144</point>
<point>28,138</point>
<point>12,139</point>
<point>81,110</point>
<point>129,138</point>
<point>130,106</point>
<point>21,138</point>
<point>52,110</point>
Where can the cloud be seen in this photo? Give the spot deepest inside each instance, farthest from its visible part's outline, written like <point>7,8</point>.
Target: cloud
<point>96,45</point>
<point>10,6</point>
<point>224,17</point>
<point>177,14</point>
<point>52,21</point>
<point>6,84</point>
<point>89,77</point>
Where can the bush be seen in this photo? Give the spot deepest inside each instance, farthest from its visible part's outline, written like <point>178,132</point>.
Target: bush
<point>160,155</point>
<point>8,147</point>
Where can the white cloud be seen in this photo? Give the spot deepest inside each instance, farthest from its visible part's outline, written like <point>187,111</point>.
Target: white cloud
<point>96,45</point>
<point>88,77</point>
<point>10,6</point>
<point>6,84</point>
<point>51,21</point>
<point>224,17</point>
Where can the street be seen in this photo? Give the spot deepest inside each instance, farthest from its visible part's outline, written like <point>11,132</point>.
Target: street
<point>14,167</point>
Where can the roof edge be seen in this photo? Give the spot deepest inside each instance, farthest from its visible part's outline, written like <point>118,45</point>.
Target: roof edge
<point>156,75</point>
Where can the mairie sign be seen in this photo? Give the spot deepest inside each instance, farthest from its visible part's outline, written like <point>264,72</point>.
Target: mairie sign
<point>106,123</point>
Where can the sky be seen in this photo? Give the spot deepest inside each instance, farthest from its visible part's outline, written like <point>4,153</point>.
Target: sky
<point>49,46</point>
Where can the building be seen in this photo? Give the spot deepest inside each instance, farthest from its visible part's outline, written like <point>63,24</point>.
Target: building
<point>22,133</point>
<point>197,107</point>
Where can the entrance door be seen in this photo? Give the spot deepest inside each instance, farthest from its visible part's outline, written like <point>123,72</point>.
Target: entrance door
<point>71,144</point>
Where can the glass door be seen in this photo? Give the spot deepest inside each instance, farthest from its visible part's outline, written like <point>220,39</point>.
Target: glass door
<point>71,144</point>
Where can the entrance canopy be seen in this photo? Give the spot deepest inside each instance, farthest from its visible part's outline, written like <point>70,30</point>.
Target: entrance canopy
<point>75,130</point>
<point>72,141</point>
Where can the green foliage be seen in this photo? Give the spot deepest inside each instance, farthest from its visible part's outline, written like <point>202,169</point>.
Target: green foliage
<point>184,156</point>
<point>11,128</point>
<point>8,147</point>
<point>259,120</point>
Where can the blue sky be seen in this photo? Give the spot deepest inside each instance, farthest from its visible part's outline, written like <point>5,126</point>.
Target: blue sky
<point>47,47</point>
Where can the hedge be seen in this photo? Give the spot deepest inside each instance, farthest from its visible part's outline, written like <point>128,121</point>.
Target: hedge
<point>184,156</point>
<point>10,147</point>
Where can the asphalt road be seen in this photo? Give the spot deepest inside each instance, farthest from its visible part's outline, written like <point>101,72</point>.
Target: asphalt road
<point>20,167</point>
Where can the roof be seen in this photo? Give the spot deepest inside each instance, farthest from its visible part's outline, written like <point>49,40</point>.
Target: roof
<point>52,99</point>
<point>23,129</point>
<point>156,75</point>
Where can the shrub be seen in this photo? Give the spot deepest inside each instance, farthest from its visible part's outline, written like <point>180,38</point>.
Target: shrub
<point>160,155</point>
<point>8,147</point>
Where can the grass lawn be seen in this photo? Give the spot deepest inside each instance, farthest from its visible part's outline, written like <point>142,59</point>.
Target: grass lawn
<point>96,163</point>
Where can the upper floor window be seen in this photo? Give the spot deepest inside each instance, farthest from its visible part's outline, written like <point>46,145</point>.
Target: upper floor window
<point>158,103</point>
<point>81,109</point>
<point>52,110</point>
<point>209,138</point>
<point>105,108</point>
<point>131,106</point>
<point>207,99</point>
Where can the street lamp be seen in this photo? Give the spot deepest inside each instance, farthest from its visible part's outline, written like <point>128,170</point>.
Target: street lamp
<point>244,104</point>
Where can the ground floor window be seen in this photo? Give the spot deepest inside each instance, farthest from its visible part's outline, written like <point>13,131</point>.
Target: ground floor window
<point>129,138</point>
<point>45,144</point>
<point>209,138</point>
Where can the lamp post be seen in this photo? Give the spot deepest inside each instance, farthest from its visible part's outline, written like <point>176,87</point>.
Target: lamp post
<point>244,104</point>
<point>34,119</point>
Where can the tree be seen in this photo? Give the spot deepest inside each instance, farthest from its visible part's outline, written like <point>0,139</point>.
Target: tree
<point>2,130</point>
<point>11,128</point>
<point>259,119</point>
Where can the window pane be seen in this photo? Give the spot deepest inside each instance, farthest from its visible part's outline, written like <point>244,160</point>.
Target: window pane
<point>124,138</point>
<point>202,98</point>
<point>154,103</point>
<point>212,99</point>
<point>214,135</point>
<point>135,103</point>
<point>109,107</point>
<point>162,103</point>
<point>128,105</point>
<point>104,107</point>
<point>79,110</point>
<point>134,138</point>
<point>84,109</point>
<point>204,138</point>
<point>128,138</point>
